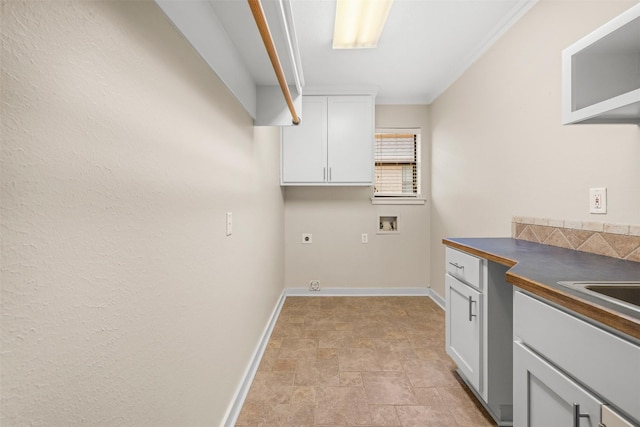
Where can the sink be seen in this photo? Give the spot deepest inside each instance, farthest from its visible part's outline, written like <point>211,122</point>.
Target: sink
<point>626,294</point>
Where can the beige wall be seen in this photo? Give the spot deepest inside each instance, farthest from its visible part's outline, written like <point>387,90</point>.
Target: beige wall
<point>123,303</point>
<point>337,217</point>
<point>498,147</point>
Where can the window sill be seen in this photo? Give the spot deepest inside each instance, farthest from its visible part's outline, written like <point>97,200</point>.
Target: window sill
<point>398,201</point>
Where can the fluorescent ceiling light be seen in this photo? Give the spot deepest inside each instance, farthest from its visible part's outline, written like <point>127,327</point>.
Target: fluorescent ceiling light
<point>359,23</point>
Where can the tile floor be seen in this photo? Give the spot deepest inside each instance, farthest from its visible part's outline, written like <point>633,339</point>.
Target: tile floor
<point>365,361</point>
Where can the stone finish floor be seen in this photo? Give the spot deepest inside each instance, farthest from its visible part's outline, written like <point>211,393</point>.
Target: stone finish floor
<point>362,361</point>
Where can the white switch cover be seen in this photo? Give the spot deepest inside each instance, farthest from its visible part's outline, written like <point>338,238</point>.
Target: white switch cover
<point>598,200</point>
<point>365,238</point>
<point>229,223</point>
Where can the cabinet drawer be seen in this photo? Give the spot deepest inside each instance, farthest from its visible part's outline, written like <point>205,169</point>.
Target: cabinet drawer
<point>599,359</point>
<point>464,267</point>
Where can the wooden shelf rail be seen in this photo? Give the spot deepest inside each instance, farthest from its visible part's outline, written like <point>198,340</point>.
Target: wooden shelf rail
<point>263,28</point>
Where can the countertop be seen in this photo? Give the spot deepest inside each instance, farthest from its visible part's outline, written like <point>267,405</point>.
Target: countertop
<point>538,268</point>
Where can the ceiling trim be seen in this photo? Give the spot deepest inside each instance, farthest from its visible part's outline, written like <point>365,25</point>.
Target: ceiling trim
<point>503,26</point>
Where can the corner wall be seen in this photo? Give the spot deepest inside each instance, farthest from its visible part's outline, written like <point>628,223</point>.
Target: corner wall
<point>337,217</point>
<point>499,150</point>
<point>123,302</point>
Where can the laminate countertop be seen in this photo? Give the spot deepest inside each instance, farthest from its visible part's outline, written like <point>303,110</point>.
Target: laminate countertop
<point>538,268</point>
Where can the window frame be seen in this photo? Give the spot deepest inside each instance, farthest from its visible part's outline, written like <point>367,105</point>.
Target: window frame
<point>401,198</point>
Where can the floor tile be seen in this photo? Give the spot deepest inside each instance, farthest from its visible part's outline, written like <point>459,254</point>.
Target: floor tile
<point>388,388</point>
<point>299,414</point>
<point>285,365</point>
<point>303,394</point>
<point>292,348</point>
<point>359,361</point>
<point>384,415</point>
<point>341,406</point>
<point>317,372</point>
<point>431,397</point>
<point>429,373</point>
<point>335,339</point>
<point>271,388</point>
<point>423,416</point>
<point>252,414</point>
<point>470,417</point>
<point>353,379</point>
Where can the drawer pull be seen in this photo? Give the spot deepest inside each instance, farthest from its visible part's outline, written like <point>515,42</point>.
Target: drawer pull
<point>455,264</point>
<point>471,315</point>
<point>577,415</point>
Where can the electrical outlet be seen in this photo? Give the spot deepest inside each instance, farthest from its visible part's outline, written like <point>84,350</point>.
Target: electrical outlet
<point>307,238</point>
<point>365,238</point>
<point>598,200</point>
<point>229,223</point>
<point>314,285</point>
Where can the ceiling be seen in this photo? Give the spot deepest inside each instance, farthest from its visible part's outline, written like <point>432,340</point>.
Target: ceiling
<point>425,46</point>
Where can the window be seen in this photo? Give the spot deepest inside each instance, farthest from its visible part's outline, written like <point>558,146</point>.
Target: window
<point>397,163</point>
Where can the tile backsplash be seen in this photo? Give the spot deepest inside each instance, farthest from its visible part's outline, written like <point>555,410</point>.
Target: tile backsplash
<point>613,240</point>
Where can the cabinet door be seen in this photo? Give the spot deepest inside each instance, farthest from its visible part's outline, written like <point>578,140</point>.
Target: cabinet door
<point>304,147</point>
<point>463,328</point>
<point>350,136</point>
<point>543,396</point>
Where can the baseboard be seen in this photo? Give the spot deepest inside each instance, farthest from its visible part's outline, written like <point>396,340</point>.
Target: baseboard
<point>233,412</point>
<point>356,292</point>
<point>437,299</point>
<point>231,417</point>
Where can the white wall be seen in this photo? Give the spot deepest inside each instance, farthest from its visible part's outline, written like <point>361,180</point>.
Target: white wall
<point>498,147</point>
<point>123,302</point>
<point>337,217</point>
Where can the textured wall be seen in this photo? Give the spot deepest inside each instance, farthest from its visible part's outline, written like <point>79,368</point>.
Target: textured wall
<point>499,149</point>
<point>123,302</point>
<point>337,217</point>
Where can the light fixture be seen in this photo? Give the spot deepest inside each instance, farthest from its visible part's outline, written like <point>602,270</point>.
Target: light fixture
<point>359,23</point>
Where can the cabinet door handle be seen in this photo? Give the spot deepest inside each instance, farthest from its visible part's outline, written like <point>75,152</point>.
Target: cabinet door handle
<point>471,315</point>
<point>329,174</point>
<point>324,174</point>
<point>577,415</point>
<point>455,264</point>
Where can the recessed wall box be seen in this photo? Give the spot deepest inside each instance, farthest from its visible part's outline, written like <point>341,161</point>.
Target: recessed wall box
<point>387,224</point>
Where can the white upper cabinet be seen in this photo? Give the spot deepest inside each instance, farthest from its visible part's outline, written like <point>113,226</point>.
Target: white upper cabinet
<point>601,74</point>
<point>333,145</point>
<point>304,147</point>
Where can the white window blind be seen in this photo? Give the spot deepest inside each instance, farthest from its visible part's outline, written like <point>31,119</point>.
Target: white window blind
<point>397,166</point>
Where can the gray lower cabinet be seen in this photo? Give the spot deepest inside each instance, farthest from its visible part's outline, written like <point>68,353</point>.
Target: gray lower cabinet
<point>544,396</point>
<point>570,372</point>
<point>463,328</point>
<point>479,329</point>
